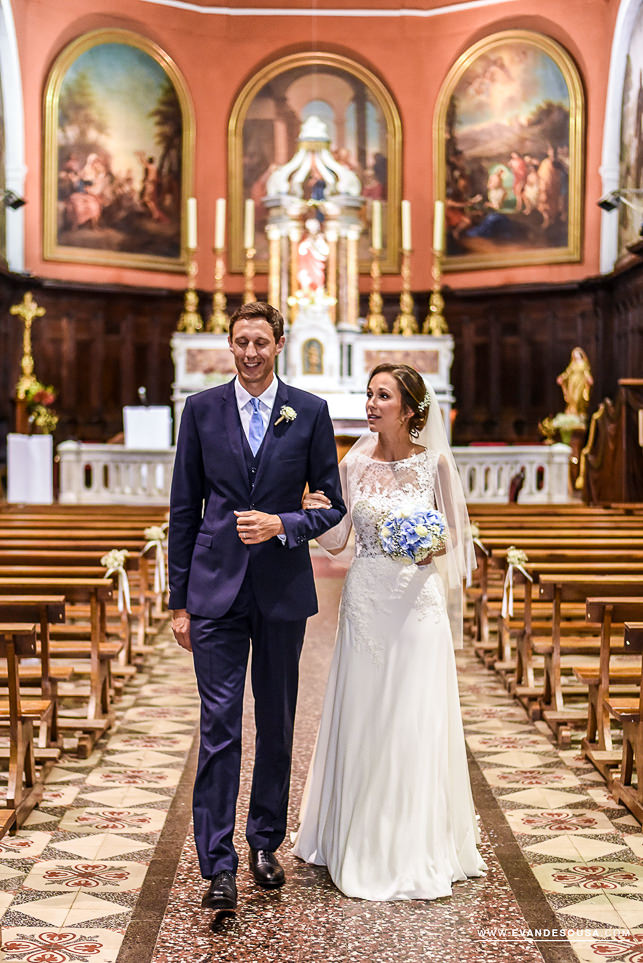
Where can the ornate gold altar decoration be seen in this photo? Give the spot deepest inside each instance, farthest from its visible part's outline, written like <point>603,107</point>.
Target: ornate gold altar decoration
<point>33,399</point>
<point>405,322</point>
<point>190,320</point>
<point>434,323</point>
<point>218,322</point>
<point>314,224</point>
<point>28,310</point>
<point>375,320</point>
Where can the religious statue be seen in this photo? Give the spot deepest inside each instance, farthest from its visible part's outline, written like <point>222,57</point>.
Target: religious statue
<point>576,382</point>
<point>312,254</point>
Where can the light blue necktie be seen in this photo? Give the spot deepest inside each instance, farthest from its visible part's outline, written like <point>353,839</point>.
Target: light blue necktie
<point>257,429</point>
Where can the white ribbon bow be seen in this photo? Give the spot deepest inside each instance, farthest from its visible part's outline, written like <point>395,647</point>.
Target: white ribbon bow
<point>114,562</point>
<point>517,560</point>
<point>155,536</point>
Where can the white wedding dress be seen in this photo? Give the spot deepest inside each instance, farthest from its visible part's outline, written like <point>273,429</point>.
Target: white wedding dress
<point>387,806</point>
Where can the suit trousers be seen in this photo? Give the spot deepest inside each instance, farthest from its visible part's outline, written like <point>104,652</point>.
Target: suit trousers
<point>220,648</point>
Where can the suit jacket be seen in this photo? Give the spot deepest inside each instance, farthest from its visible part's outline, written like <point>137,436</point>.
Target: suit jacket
<point>207,560</point>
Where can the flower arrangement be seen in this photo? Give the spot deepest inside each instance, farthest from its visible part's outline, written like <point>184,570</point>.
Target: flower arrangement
<point>39,398</point>
<point>413,536</point>
<point>561,425</point>
<point>516,556</point>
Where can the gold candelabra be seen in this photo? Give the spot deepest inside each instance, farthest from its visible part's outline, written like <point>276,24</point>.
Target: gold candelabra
<point>249,276</point>
<point>28,310</point>
<point>218,322</point>
<point>434,323</point>
<point>190,320</point>
<point>405,322</point>
<point>375,320</point>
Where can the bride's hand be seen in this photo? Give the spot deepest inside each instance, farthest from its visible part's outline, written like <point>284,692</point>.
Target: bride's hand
<point>315,500</point>
<point>429,558</point>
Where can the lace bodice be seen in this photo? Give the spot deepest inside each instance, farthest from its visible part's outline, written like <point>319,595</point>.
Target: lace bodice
<point>381,592</point>
<point>380,487</point>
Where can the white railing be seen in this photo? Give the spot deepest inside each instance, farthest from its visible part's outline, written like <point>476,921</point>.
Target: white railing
<point>486,472</point>
<point>114,475</point>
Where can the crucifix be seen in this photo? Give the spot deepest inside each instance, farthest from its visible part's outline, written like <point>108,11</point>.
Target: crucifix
<point>27,311</point>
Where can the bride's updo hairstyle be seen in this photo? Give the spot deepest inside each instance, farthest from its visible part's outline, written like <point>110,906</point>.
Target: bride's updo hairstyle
<point>412,390</point>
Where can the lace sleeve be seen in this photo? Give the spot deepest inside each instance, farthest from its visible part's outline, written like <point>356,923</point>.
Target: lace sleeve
<point>335,539</point>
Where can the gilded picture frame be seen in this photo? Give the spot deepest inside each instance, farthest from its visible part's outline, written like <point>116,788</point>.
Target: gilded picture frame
<point>118,154</point>
<point>367,136</point>
<point>508,140</point>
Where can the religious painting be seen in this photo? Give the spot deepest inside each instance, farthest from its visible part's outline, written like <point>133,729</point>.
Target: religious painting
<point>118,154</point>
<point>631,152</point>
<point>509,136</point>
<point>312,356</point>
<point>365,134</point>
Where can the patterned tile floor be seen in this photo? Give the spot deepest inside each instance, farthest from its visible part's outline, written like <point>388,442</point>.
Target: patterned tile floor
<point>101,873</point>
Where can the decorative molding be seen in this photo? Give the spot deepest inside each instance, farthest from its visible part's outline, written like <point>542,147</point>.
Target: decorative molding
<point>391,13</point>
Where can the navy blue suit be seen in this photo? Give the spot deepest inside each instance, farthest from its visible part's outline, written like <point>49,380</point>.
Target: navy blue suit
<point>236,593</point>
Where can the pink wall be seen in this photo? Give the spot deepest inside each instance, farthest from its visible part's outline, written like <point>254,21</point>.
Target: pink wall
<point>216,55</point>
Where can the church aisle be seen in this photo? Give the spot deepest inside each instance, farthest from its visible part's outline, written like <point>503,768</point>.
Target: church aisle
<point>106,871</point>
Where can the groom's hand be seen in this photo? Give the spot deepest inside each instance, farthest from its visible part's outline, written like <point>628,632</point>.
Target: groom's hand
<point>256,527</point>
<point>181,628</point>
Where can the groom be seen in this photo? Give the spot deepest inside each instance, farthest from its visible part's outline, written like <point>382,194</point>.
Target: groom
<point>240,572</point>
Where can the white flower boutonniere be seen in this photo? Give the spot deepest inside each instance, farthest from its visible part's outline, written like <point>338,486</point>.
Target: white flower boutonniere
<point>286,413</point>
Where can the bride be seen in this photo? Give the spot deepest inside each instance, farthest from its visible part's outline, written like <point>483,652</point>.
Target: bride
<point>387,806</point>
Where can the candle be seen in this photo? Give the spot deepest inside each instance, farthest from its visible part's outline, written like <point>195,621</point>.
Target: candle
<point>438,227</point>
<point>249,224</point>
<point>219,224</point>
<point>376,226</point>
<point>191,218</point>
<point>406,226</point>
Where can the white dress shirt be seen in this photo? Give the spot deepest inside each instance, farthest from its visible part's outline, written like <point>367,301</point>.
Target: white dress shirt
<point>267,403</point>
<point>244,404</point>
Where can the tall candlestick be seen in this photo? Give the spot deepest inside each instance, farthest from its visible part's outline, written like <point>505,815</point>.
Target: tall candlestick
<point>249,224</point>
<point>219,224</point>
<point>406,226</point>
<point>376,226</point>
<point>191,225</point>
<point>438,227</point>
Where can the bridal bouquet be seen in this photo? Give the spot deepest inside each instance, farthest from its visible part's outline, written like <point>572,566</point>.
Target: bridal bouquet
<point>413,535</point>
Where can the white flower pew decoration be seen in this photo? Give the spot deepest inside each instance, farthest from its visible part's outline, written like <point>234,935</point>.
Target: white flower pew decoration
<point>155,535</point>
<point>516,559</point>
<point>114,562</point>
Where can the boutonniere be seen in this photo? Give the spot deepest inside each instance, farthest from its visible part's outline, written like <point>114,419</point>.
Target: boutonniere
<point>286,413</point>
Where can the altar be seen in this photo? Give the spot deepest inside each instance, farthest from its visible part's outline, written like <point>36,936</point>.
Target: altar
<point>333,364</point>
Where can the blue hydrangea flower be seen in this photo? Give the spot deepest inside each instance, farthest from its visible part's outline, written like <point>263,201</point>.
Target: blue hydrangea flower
<point>411,536</point>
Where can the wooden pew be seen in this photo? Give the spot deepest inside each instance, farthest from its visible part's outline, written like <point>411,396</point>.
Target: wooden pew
<point>561,589</point>
<point>629,712</point>
<point>46,611</point>
<point>17,714</point>
<point>95,592</point>
<point>604,680</point>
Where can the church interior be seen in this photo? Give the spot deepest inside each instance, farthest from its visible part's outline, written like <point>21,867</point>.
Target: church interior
<point>455,186</point>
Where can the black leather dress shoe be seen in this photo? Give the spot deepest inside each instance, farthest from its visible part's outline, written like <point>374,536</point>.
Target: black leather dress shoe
<point>222,892</point>
<point>266,869</point>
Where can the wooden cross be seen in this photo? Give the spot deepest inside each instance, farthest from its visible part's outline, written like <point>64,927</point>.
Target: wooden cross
<point>27,311</point>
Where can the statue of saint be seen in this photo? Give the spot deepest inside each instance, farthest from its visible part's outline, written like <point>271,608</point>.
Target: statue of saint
<point>576,382</point>
<point>312,255</point>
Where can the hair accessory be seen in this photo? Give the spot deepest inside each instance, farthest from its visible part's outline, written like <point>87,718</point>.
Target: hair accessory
<point>426,401</point>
